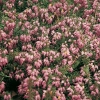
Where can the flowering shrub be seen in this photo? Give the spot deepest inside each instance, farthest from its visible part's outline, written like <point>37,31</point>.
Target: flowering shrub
<point>49,49</point>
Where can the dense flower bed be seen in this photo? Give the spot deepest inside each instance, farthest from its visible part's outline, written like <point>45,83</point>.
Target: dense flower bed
<point>49,49</point>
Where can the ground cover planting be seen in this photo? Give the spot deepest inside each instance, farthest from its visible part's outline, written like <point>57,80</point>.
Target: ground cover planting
<point>49,49</point>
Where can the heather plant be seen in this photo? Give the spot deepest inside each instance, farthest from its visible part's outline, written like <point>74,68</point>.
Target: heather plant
<point>49,49</point>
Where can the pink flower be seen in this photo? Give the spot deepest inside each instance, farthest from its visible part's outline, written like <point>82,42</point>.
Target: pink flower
<point>50,0</point>
<point>65,52</point>
<point>46,78</point>
<point>35,1</point>
<point>44,84</point>
<point>79,79</point>
<point>55,98</point>
<point>38,63</point>
<point>56,84</point>
<point>22,60</point>
<point>75,9</point>
<point>12,1</point>
<point>76,1</point>
<point>22,75</point>
<point>25,38</point>
<point>7,97</point>
<point>46,62</point>
<point>1,2</point>
<point>70,69</point>
<point>37,97</point>
<point>22,16</point>
<point>36,83</point>
<point>49,20</point>
<point>79,88</point>
<point>43,96</point>
<point>25,84</point>
<point>64,62</point>
<point>77,34</point>
<point>97,29</point>
<point>76,97</point>
<point>80,43</point>
<point>2,86</point>
<point>17,77</point>
<point>39,45</point>
<point>95,3</point>
<point>93,93</point>
<point>97,91</point>
<point>29,58</point>
<point>27,25</point>
<point>3,34</point>
<point>10,26</point>
<point>5,51</point>
<point>3,61</point>
<point>62,1</point>
<point>88,12</point>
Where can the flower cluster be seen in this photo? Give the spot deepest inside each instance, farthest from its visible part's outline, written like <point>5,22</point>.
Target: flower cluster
<point>50,49</point>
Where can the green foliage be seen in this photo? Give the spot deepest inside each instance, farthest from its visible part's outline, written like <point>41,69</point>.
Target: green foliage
<point>80,12</point>
<point>18,31</point>
<point>87,71</point>
<point>50,94</point>
<point>64,70</point>
<point>1,98</point>
<point>22,7</point>
<point>43,3</point>
<point>87,90</point>
<point>70,1</point>
<point>11,84</point>
<point>1,16</point>
<point>17,97</point>
<point>76,64</point>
